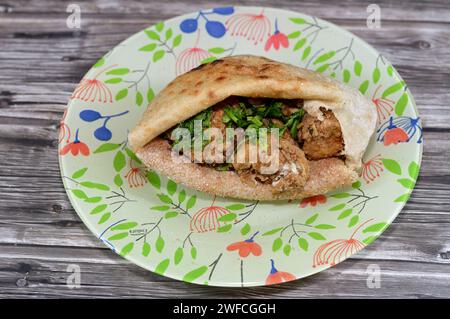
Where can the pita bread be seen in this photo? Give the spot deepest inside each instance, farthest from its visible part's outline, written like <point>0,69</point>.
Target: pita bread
<point>256,77</point>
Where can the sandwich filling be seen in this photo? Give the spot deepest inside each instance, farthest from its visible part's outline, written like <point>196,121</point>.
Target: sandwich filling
<point>269,128</point>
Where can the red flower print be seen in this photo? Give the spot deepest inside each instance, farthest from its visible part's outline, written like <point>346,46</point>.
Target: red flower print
<point>277,39</point>
<point>75,147</point>
<point>191,58</point>
<point>246,247</point>
<point>136,176</point>
<point>372,168</point>
<point>383,105</point>
<point>313,201</point>
<point>337,250</point>
<point>90,90</point>
<point>278,277</point>
<point>395,135</point>
<point>63,129</point>
<point>254,27</point>
<point>207,218</point>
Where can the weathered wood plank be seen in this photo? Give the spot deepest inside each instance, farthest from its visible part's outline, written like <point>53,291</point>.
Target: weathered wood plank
<point>36,272</point>
<point>404,10</point>
<point>418,50</point>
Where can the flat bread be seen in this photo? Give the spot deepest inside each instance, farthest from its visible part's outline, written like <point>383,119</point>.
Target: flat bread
<point>256,77</point>
<point>325,174</point>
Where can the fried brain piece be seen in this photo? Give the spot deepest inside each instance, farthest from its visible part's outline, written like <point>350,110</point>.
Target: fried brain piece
<point>321,138</point>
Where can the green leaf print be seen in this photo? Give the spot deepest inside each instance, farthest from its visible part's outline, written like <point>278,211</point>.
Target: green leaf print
<point>119,161</point>
<point>300,43</point>
<point>345,213</point>
<point>164,198</point>
<point>337,207</point>
<point>124,226</point>
<point>392,165</point>
<point>79,173</point>
<point>150,95</point>
<point>376,74</point>
<point>340,195</point>
<point>402,198</point>
<point>193,252</point>
<point>375,228</point>
<point>277,243</point>
<point>303,244</point>
<point>324,226</point>
<point>217,50</point>
<point>98,209</point>
<point>177,41</point>
<point>121,94</point>
<point>149,47</point>
<point>79,193</point>
<point>311,219</point>
<point>152,35</point>
<point>316,236</point>
<point>159,26</point>
<point>324,57</point>
<point>105,217</point>
<point>139,98</point>
<point>357,68</point>
<point>181,196</point>
<point>160,208</point>
<point>159,244</point>
<point>169,215</point>
<point>413,170</point>
<point>298,20</point>
<point>393,88</point>
<point>225,228</point>
<point>191,202</point>
<point>228,217</point>
<point>406,182</point>
<point>94,199</point>
<point>118,236</point>
<point>178,255</point>
<point>146,248</point>
<point>294,35</point>
<point>235,207</point>
<point>118,180</point>
<point>94,185</point>
<point>346,75</point>
<point>168,35</point>
<point>364,86</point>
<point>287,249</point>
<point>126,249</point>
<point>154,179</point>
<point>162,266</point>
<point>401,104</point>
<point>353,221</point>
<point>106,147</point>
<point>245,230</point>
<point>158,55</point>
<point>171,187</point>
<point>195,274</point>
<point>118,71</point>
<point>273,231</point>
<point>306,53</point>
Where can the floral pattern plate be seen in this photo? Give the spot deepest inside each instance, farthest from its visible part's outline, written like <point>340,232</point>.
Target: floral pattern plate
<point>191,236</point>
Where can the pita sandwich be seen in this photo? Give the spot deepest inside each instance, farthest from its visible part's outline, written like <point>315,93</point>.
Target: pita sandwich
<point>323,128</point>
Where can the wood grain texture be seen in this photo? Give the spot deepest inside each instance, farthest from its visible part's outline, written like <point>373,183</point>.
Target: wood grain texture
<point>41,61</point>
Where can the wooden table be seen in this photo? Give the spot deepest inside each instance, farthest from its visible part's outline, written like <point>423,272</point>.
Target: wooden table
<point>41,61</point>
